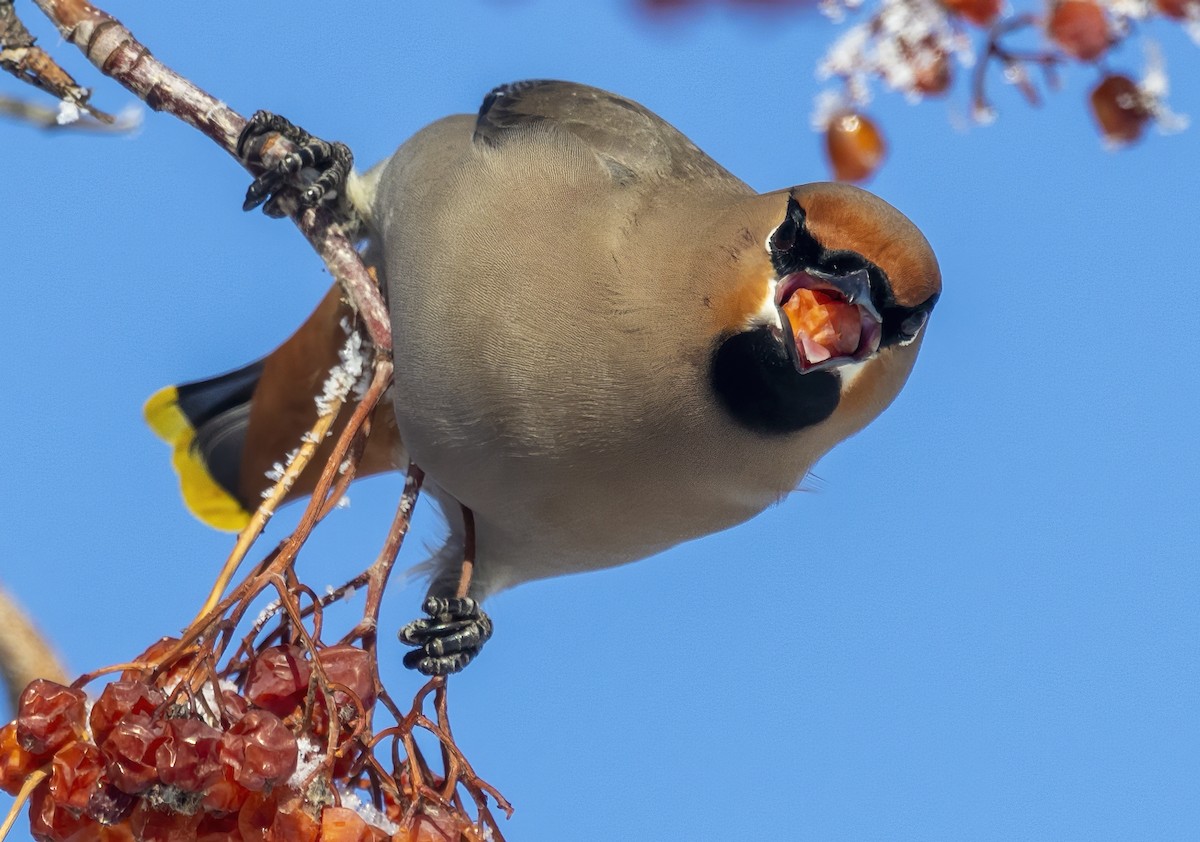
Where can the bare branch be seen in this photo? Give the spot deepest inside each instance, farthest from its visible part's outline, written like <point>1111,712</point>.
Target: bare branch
<point>117,53</point>
<point>44,117</point>
<point>24,653</point>
<point>20,56</point>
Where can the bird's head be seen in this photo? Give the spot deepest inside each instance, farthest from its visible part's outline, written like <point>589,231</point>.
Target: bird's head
<point>824,297</point>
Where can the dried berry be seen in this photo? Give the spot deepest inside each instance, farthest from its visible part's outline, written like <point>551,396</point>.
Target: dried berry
<point>341,825</point>
<point>75,775</point>
<point>854,145</point>
<point>260,750</point>
<point>108,805</point>
<point>933,76</point>
<point>1080,29</point>
<point>256,815</point>
<point>431,824</point>
<point>1178,9</point>
<point>130,752</point>
<point>1120,109</point>
<point>120,699</point>
<point>226,796</point>
<point>50,716</point>
<point>233,706</point>
<point>278,679</point>
<point>15,762</point>
<point>218,829</point>
<point>351,667</point>
<point>152,657</point>
<point>295,825</point>
<point>150,824</point>
<point>51,822</point>
<point>187,756</point>
<point>980,12</point>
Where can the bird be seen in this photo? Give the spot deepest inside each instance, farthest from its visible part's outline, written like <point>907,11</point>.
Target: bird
<point>606,344</point>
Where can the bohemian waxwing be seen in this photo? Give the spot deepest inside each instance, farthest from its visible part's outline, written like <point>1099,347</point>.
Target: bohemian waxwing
<point>605,344</point>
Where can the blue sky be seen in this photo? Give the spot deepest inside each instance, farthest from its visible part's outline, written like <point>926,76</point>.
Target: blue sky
<point>993,633</point>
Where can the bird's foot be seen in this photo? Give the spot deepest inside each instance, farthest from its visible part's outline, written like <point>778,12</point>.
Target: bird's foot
<point>315,173</point>
<point>449,639</point>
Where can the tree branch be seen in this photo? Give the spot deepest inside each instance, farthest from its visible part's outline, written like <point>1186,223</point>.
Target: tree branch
<point>118,54</point>
<point>24,653</point>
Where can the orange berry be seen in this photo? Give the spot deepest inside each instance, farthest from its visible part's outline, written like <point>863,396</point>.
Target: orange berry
<point>934,76</point>
<point>1177,9</point>
<point>979,12</point>
<point>339,824</point>
<point>854,145</point>
<point>1080,29</point>
<point>1119,108</point>
<point>15,762</point>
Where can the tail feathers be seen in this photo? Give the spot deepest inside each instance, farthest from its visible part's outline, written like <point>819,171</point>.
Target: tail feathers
<point>205,424</point>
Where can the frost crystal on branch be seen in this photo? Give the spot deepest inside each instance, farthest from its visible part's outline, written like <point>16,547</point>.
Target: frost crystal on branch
<point>349,375</point>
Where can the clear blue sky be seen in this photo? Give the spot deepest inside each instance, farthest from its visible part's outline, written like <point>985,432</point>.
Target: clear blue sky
<point>995,636</point>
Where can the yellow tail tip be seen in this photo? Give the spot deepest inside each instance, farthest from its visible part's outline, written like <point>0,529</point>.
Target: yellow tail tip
<point>203,495</point>
<point>165,418</point>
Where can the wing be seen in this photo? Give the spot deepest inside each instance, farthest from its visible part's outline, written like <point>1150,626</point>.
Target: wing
<point>634,142</point>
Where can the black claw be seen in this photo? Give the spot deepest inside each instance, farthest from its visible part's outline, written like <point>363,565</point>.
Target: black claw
<point>443,665</point>
<point>449,639</point>
<point>294,175</point>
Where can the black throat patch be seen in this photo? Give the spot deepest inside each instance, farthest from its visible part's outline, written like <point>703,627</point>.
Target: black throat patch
<point>758,385</point>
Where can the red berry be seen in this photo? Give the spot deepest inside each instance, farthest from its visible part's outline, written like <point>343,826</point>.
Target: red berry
<point>49,717</point>
<point>980,12</point>
<point>1080,29</point>
<point>431,824</point>
<point>218,829</point>
<point>233,706</point>
<point>351,667</point>
<point>278,679</point>
<point>114,833</point>
<point>933,76</point>
<point>108,805</point>
<point>260,750</point>
<point>226,796</point>
<point>187,757</point>
<point>294,825</point>
<point>149,824</point>
<point>339,824</point>
<point>256,815</point>
<point>75,775</point>
<point>154,658</point>
<point>130,751</point>
<point>854,146</point>
<point>120,699</point>
<point>49,821</point>
<point>15,762</point>
<point>1120,109</point>
<point>1178,9</point>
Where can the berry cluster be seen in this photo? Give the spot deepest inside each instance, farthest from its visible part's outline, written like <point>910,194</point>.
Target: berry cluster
<point>174,753</point>
<point>915,47</point>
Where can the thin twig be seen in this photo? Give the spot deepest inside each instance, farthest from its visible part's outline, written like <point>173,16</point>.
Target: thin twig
<point>50,119</point>
<point>31,783</point>
<point>266,509</point>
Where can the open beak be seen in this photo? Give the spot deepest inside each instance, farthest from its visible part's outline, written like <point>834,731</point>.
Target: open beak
<point>831,319</point>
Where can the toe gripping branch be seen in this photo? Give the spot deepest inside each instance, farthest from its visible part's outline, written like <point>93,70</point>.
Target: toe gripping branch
<point>314,174</point>
<point>449,639</point>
